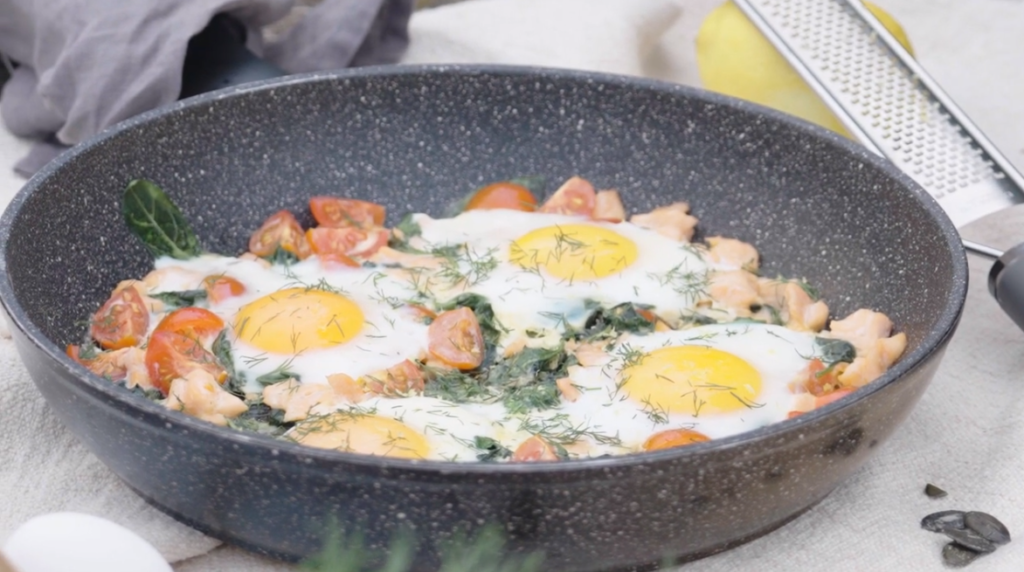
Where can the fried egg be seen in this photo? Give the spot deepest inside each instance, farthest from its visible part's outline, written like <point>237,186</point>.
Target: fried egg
<point>305,319</point>
<point>720,380</point>
<point>546,267</point>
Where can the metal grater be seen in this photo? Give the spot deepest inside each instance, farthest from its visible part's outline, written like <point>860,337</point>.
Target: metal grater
<point>889,103</point>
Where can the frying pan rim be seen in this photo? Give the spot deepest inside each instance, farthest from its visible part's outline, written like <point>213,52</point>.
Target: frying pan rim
<point>935,339</point>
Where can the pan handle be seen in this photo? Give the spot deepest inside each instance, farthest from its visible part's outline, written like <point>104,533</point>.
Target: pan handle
<point>1006,283</point>
<point>217,58</point>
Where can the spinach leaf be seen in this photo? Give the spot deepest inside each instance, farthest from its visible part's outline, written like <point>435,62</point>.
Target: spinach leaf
<point>606,323</point>
<point>833,351</point>
<point>405,230</point>
<point>527,379</point>
<point>491,450</point>
<point>261,419</point>
<point>157,222</point>
<point>180,299</point>
<point>282,257</point>
<point>279,373</point>
<point>222,351</point>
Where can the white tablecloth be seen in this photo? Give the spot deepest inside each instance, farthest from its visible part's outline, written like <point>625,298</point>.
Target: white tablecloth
<point>964,436</point>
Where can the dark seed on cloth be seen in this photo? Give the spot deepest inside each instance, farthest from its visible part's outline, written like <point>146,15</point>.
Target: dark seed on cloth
<point>956,556</point>
<point>934,492</point>
<point>987,526</point>
<point>970,539</point>
<point>943,520</point>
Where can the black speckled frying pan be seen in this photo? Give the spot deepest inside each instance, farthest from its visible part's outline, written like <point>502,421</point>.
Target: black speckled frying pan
<point>416,139</point>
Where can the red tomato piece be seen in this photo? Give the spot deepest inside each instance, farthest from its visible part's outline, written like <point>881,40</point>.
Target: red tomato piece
<point>575,197</point>
<point>197,323</point>
<point>455,338</point>
<point>534,449</point>
<point>503,195</point>
<point>282,230</point>
<point>122,321</point>
<point>402,378</point>
<point>340,213</point>
<point>220,288</point>
<point>823,400</point>
<point>348,241</point>
<point>674,438</point>
<point>334,261</point>
<point>171,355</point>
<point>819,378</point>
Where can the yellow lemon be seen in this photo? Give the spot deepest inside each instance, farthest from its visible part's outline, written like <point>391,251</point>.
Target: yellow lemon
<point>735,59</point>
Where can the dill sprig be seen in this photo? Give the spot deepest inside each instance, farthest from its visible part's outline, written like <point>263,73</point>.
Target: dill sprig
<point>690,284</point>
<point>279,373</point>
<point>560,430</point>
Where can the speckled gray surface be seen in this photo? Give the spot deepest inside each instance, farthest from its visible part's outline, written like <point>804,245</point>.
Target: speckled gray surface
<point>415,139</point>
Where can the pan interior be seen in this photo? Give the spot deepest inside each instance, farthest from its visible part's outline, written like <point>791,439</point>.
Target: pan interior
<point>419,140</point>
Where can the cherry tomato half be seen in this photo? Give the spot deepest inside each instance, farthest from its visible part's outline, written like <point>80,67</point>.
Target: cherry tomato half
<point>575,197</point>
<point>402,378</point>
<point>340,213</point>
<point>674,438</point>
<point>220,288</point>
<point>348,241</point>
<point>122,321</point>
<point>503,195</point>
<point>282,230</point>
<point>455,338</point>
<point>534,449</point>
<point>197,323</point>
<point>171,355</point>
<point>819,378</point>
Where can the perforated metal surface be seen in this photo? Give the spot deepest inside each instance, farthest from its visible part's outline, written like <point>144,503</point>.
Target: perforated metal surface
<point>888,102</point>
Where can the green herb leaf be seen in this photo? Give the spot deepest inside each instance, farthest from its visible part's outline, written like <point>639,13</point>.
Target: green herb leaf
<point>607,323</point>
<point>260,418</point>
<point>406,229</point>
<point>282,257</point>
<point>180,299</point>
<point>528,378</point>
<point>833,351</point>
<point>491,449</point>
<point>157,222</point>
<point>222,351</point>
<point>279,373</point>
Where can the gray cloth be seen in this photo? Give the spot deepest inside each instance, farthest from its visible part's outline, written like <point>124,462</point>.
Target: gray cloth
<point>84,65</point>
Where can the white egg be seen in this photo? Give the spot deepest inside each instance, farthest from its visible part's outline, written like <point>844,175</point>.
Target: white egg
<point>63,541</point>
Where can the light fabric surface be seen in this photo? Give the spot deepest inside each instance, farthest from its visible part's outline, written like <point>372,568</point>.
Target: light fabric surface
<point>964,436</point>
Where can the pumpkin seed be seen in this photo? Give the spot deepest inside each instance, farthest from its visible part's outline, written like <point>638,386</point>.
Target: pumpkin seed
<point>987,526</point>
<point>944,520</point>
<point>970,539</point>
<point>934,492</point>
<point>956,556</point>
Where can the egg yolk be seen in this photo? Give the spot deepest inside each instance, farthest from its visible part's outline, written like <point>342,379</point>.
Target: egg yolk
<point>366,434</point>
<point>296,319</point>
<point>692,380</point>
<point>574,251</point>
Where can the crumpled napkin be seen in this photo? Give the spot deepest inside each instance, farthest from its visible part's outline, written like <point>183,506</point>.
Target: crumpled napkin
<point>74,79</point>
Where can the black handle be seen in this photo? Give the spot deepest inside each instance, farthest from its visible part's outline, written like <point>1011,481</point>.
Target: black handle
<point>1006,283</point>
<point>217,58</point>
